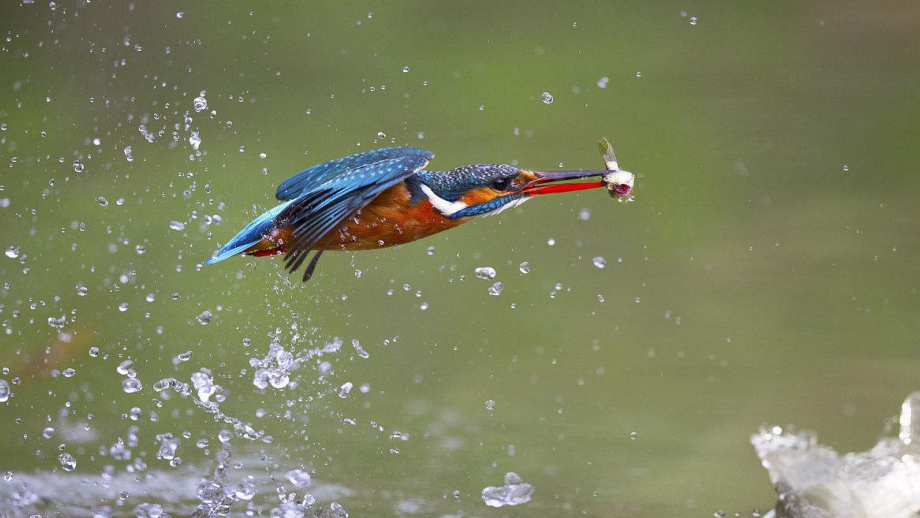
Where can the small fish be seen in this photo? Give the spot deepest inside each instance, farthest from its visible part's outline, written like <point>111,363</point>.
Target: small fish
<point>619,182</point>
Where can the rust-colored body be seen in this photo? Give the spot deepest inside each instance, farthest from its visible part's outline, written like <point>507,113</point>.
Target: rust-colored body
<point>389,220</point>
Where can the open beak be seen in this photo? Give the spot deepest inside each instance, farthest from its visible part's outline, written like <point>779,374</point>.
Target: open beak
<point>547,182</point>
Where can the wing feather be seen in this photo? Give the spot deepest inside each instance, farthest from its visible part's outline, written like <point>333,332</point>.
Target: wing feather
<point>323,207</point>
<point>315,176</point>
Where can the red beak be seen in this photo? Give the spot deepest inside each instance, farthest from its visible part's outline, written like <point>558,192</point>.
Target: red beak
<point>540,185</point>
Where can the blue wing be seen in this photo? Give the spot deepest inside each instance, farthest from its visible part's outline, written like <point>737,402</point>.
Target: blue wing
<point>315,176</point>
<point>320,209</point>
<point>252,234</point>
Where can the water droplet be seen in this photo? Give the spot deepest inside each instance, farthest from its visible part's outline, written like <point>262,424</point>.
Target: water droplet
<point>131,385</point>
<point>490,405</point>
<point>69,372</point>
<point>693,20</point>
<point>67,461</point>
<point>638,73</point>
<point>168,446</point>
<point>633,435</point>
<point>244,491</point>
<point>524,267</point>
<point>345,389</point>
<point>381,134</point>
<point>102,201</point>
<point>4,391</point>
<point>57,323</point>
<point>181,15</point>
<point>184,357</point>
<point>600,262</point>
<point>584,214</point>
<point>547,98</point>
<point>602,82</point>
<point>204,318</point>
<point>140,249</point>
<point>177,225</point>
<point>94,351</point>
<point>195,140</point>
<point>551,242</point>
<point>360,350</point>
<point>48,432</point>
<point>485,272</point>
<point>260,379</point>
<point>298,477</point>
<point>128,156</point>
<point>405,70</point>
<point>496,289</point>
<point>78,167</point>
<point>430,250</point>
<point>12,252</point>
<point>123,307</point>
<point>846,168</point>
<point>200,103</point>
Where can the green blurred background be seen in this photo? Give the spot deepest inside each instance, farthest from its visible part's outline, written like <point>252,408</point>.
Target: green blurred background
<point>766,274</point>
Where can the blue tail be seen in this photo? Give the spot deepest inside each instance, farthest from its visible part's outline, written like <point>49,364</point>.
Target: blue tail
<point>252,234</point>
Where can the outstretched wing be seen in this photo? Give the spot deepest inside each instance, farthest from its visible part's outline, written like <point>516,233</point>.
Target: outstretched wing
<point>323,207</point>
<point>315,176</point>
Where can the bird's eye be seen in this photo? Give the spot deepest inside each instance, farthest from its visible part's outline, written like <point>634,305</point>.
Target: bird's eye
<point>500,184</point>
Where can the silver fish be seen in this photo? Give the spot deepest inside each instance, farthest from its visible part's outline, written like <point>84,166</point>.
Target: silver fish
<point>619,182</point>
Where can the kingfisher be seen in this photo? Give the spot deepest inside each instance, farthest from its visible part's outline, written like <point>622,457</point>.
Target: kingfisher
<point>386,197</point>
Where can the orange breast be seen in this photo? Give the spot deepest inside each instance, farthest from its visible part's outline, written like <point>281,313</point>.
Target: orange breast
<point>388,220</point>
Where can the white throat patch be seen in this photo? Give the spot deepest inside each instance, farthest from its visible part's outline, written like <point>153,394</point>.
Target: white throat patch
<point>447,208</point>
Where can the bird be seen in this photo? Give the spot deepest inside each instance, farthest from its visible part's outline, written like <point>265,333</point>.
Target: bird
<point>386,197</point>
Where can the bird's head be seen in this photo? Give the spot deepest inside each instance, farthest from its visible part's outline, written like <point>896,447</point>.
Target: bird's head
<point>486,189</point>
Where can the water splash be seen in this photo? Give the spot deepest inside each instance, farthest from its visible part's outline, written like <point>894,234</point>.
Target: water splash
<point>275,368</point>
<point>815,481</point>
<point>514,492</point>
